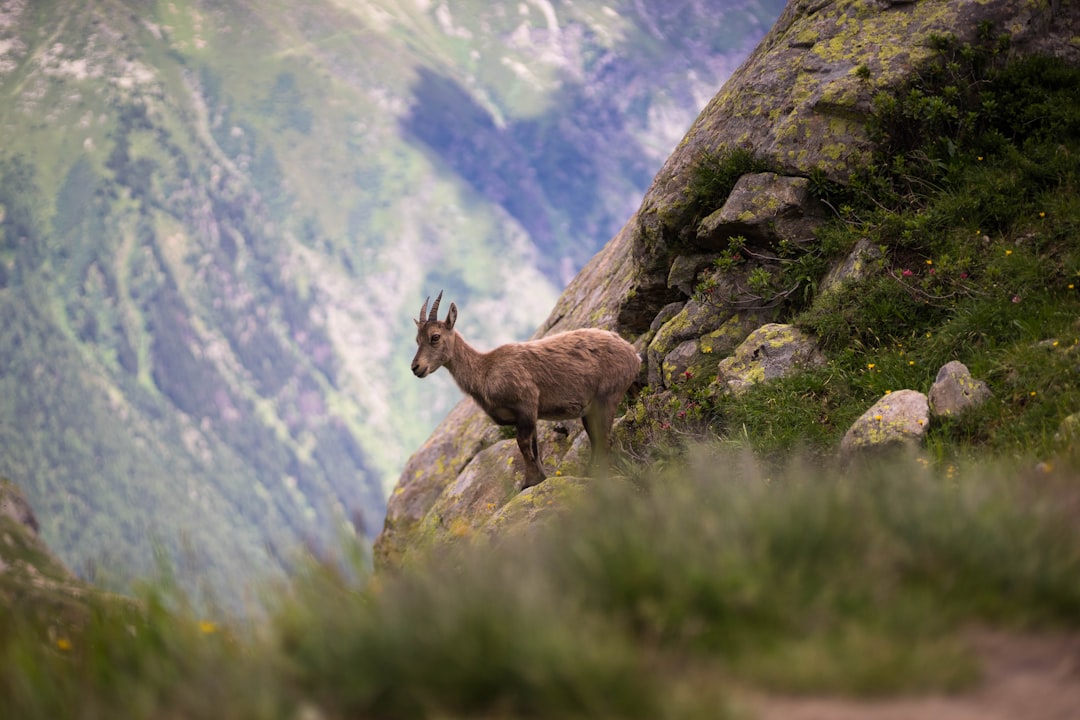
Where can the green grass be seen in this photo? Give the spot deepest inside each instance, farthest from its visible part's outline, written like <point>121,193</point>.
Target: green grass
<point>976,215</point>
<point>663,595</point>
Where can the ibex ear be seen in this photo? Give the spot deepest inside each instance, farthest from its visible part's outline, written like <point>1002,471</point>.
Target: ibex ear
<point>451,317</point>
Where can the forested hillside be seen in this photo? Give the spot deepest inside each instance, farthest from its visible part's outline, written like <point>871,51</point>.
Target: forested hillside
<point>216,220</point>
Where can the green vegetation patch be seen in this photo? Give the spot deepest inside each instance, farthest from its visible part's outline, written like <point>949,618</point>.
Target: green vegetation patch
<point>973,200</point>
<point>662,595</point>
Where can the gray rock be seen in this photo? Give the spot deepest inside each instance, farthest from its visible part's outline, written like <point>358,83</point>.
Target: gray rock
<point>898,418</point>
<point>765,208</point>
<point>694,320</point>
<point>772,351</point>
<point>856,266</point>
<point>534,507</point>
<point>685,270</point>
<point>1068,431</point>
<point>490,480</point>
<point>457,439</point>
<point>687,361</point>
<point>666,313</point>
<point>955,391</point>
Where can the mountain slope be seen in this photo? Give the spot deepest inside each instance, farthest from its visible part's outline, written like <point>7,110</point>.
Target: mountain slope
<point>217,219</point>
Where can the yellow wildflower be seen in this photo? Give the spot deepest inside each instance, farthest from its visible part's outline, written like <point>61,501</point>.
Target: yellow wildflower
<point>63,643</point>
<point>206,627</point>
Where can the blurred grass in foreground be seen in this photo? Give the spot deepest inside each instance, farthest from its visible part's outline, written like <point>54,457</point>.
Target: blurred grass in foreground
<point>654,597</point>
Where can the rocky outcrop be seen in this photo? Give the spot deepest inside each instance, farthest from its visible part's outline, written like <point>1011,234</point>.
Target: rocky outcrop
<point>798,105</point>
<point>32,578</point>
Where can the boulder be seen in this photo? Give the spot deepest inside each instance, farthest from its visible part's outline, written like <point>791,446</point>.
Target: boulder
<point>490,480</point>
<point>772,351</point>
<point>686,269</point>
<point>766,209</point>
<point>954,390</point>
<point>453,444</point>
<point>666,313</point>
<point>897,419</point>
<point>696,318</point>
<point>855,267</point>
<point>1068,431</point>
<point>687,361</point>
<point>534,505</point>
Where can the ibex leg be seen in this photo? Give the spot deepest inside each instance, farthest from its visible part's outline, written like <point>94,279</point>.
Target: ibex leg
<point>530,453</point>
<point>597,424</point>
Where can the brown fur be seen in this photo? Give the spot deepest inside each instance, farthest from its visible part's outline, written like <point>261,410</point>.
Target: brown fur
<point>576,374</point>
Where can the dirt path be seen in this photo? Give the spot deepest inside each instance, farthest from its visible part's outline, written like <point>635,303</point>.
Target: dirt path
<point>1025,678</point>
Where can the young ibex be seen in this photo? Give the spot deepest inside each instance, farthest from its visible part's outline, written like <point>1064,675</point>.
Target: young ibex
<point>577,374</point>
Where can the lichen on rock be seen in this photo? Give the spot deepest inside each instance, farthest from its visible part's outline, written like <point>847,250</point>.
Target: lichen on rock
<point>955,390</point>
<point>856,266</point>
<point>901,418</point>
<point>767,209</point>
<point>772,351</point>
<point>696,318</point>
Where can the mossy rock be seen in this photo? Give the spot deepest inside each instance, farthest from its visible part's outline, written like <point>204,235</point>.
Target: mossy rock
<point>686,270</point>
<point>766,209</point>
<point>430,470</point>
<point>488,482</point>
<point>901,418</point>
<point>863,259</point>
<point>772,351</point>
<point>694,320</point>
<point>535,505</point>
<point>955,391</point>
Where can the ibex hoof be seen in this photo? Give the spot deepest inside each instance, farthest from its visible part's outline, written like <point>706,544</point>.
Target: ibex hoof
<point>532,482</point>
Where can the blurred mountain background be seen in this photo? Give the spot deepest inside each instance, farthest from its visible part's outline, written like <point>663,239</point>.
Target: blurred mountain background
<point>217,220</point>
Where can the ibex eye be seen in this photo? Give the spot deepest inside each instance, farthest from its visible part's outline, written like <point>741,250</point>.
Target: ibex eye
<point>435,338</point>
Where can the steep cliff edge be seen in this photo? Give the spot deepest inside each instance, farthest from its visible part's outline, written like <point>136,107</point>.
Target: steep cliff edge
<point>797,110</point>
<point>33,581</point>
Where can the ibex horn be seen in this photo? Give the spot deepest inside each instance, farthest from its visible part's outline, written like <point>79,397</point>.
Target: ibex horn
<point>423,308</point>
<point>435,309</point>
